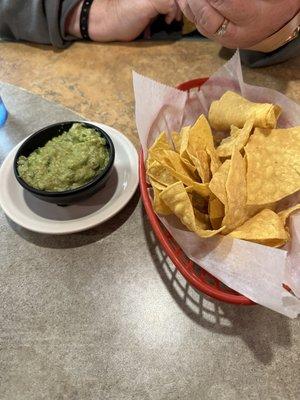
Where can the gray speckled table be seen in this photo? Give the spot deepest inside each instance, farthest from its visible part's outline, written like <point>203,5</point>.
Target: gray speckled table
<point>103,315</point>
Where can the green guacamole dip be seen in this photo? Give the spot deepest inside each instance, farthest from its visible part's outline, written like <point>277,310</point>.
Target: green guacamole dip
<point>66,161</point>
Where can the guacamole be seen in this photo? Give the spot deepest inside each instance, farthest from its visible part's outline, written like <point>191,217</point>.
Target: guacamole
<point>65,162</point>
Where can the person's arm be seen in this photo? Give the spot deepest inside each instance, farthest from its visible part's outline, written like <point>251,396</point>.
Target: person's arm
<point>111,20</point>
<point>120,20</point>
<point>36,21</point>
<point>56,22</point>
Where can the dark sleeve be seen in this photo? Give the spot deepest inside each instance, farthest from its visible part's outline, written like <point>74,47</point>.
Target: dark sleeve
<point>257,59</point>
<point>39,21</point>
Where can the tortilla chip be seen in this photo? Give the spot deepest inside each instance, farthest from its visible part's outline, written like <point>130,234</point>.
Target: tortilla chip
<point>235,131</point>
<point>158,205</point>
<point>204,232</point>
<point>201,139</point>
<point>150,160</point>
<point>264,228</point>
<point>190,167</point>
<point>155,184</point>
<point>233,109</point>
<point>284,214</point>
<point>161,143</point>
<point>180,165</point>
<point>236,191</point>
<point>273,160</point>
<point>160,174</point>
<point>215,162</point>
<point>176,137</point>
<point>201,188</point>
<point>273,242</point>
<point>218,182</point>
<point>197,143</point>
<point>238,138</point>
<point>199,202</point>
<point>184,133</point>
<point>215,211</point>
<point>200,136</point>
<point>202,219</point>
<point>173,160</point>
<point>177,199</point>
<point>201,162</point>
<point>188,26</point>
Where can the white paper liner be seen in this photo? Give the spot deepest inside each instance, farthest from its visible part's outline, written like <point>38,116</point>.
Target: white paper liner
<point>253,270</point>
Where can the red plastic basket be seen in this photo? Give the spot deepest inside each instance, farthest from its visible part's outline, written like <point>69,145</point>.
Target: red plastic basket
<point>196,276</point>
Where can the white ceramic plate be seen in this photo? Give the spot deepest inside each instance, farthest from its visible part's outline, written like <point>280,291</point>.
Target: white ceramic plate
<point>39,216</point>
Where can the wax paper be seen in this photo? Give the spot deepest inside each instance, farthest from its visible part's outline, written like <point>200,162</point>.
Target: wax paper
<point>253,270</point>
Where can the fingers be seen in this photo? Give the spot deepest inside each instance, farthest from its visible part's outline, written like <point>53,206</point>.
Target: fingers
<point>234,37</point>
<point>204,16</point>
<point>237,11</point>
<point>209,15</point>
<point>178,15</point>
<point>184,6</point>
<point>174,14</point>
<point>228,39</point>
<point>209,19</point>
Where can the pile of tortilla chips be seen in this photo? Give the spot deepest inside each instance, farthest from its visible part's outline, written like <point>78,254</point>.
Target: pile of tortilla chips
<point>233,188</point>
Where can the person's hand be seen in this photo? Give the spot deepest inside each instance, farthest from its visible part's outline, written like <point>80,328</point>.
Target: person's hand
<point>121,20</point>
<point>169,8</point>
<point>250,21</point>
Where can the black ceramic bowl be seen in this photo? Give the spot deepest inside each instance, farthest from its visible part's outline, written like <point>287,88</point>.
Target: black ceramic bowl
<point>67,197</point>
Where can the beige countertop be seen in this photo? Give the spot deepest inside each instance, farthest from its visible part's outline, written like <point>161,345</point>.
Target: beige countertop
<point>95,79</point>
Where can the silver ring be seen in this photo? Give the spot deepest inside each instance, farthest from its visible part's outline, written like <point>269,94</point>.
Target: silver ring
<point>223,28</point>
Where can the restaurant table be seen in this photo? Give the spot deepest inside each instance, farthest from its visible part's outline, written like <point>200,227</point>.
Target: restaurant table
<point>103,314</point>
